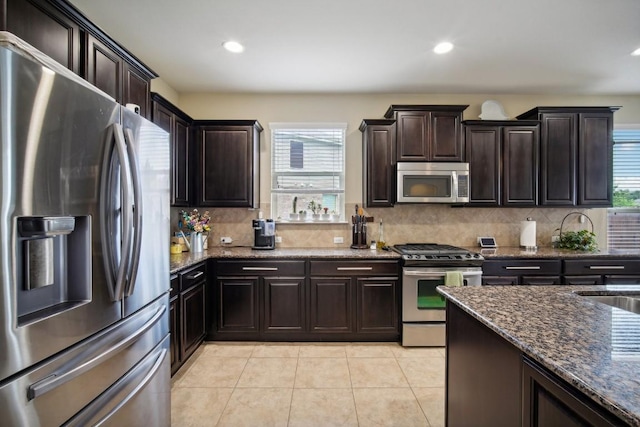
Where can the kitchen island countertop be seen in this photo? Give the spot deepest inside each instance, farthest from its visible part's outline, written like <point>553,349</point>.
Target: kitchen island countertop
<point>592,346</point>
<point>180,261</point>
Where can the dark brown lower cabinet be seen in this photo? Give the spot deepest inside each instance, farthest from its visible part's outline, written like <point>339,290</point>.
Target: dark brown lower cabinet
<point>193,327</point>
<point>515,271</point>
<point>377,306</point>
<point>549,402</point>
<point>174,324</point>
<point>483,373</point>
<point>187,305</point>
<point>490,382</point>
<point>283,305</point>
<point>259,299</point>
<point>331,305</point>
<point>602,271</point>
<point>238,305</point>
<point>356,300</point>
<point>306,300</point>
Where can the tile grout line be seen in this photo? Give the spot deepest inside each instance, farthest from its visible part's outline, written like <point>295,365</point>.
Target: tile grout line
<point>234,388</point>
<point>353,394</point>
<point>412,391</point>
<point>293,387</point>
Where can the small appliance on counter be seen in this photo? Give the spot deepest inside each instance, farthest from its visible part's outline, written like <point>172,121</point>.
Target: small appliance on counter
<point>264,234</point>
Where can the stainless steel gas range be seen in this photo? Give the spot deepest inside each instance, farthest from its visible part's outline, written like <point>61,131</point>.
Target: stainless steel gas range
<point>425,267</point>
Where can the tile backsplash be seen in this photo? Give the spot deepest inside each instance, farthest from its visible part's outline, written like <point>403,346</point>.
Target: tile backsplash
<point>458,226</point>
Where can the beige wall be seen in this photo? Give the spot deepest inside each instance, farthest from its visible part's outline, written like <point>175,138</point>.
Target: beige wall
<point>424,222</point>
<point>160,86</point>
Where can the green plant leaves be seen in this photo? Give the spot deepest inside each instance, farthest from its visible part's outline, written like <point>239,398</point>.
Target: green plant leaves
<point>582,240</point>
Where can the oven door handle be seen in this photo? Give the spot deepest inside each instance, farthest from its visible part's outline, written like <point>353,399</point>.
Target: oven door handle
<point>424,273</point>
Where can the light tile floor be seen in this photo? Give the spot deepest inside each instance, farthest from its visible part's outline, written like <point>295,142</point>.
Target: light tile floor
<point>309,384</point>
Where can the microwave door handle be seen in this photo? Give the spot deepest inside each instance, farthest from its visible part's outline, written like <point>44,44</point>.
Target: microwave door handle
<point>454,185</point>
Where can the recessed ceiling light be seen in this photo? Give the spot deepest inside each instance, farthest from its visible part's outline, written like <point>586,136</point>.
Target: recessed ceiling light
<point>636,52</point>
<point>232,46</point>
<point>443,47</point>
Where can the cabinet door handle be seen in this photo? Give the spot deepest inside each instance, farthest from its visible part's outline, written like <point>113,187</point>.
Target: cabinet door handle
<point>531,267</point>
<point>606,267</point>
<point>260,268</point>
<point>355,268</point>
<point>195,275</point>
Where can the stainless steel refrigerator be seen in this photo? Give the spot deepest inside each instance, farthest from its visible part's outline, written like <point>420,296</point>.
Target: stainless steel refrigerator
<point>84,257</point>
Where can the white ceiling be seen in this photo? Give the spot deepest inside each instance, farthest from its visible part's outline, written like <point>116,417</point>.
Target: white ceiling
<point>375,46</point>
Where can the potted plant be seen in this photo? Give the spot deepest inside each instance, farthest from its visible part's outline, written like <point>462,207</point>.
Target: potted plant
<point>315,209</point>
<point>326,216</point>
<point>293,215</point>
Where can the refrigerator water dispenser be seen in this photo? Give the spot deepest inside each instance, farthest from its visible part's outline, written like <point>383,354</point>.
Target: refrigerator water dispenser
<point>54,255</point>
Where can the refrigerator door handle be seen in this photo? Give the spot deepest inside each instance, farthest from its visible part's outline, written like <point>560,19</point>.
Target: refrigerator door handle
<point>137,211</point>
<point>78,367</point>
<point>116,269</point>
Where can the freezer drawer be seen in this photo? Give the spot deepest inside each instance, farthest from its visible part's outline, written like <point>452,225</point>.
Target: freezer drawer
<point>128,360</point>
<point>141,397</point>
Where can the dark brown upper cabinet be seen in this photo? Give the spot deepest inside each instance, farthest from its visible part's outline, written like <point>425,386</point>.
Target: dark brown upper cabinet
<point>178,124</point>
<point>428,132</point>
<point>503,162</point>
<point>576,155</point>
<point>110,72</point>
<point>42,25</point>
<point>228,163</point>
<point>59,30</point>
<point>379,152</point>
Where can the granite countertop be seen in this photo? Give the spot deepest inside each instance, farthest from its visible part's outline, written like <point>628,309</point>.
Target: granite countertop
<point>592,346</point>
<point>180,261</point>
<point>550,252</point>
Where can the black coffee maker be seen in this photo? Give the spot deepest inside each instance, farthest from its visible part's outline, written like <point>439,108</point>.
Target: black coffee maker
<point>264,234</point>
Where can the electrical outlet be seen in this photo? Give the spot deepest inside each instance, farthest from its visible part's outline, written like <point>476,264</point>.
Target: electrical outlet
<point>278,239</point>
<point>338,240</point>
<point>226,240</point>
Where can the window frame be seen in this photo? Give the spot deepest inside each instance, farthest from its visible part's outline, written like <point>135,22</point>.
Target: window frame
<point>340,193</point>
<point>613,211</point>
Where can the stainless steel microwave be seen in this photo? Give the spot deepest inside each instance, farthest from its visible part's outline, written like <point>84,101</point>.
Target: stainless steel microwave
<point>430,182</point>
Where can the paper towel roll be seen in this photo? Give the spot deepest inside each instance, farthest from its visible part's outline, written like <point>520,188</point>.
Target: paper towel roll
<point>528,233</point>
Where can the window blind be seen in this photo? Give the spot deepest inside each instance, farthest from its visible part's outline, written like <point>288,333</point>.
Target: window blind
<point>623,220</point>
<point>626,160</point>
<point>307,162</point>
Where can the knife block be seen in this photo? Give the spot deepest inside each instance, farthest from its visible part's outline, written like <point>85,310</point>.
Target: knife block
<point>359,231</point>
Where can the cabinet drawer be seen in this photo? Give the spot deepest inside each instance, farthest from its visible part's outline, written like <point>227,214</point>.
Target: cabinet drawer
<point>521,267</point>
<point>584,280</point>
<point>175,285</point>
<point>354,268</point>
<point>193,276</point>
<point>540,280</point>
<point>260,268</point>
<point>499,280</point>
<point>601,266</point>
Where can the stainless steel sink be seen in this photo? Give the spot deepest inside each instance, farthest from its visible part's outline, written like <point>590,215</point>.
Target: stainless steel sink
<point>627,303</point>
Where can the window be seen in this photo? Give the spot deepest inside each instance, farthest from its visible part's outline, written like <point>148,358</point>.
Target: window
<point>624,218</point>
<point>307,171</point>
